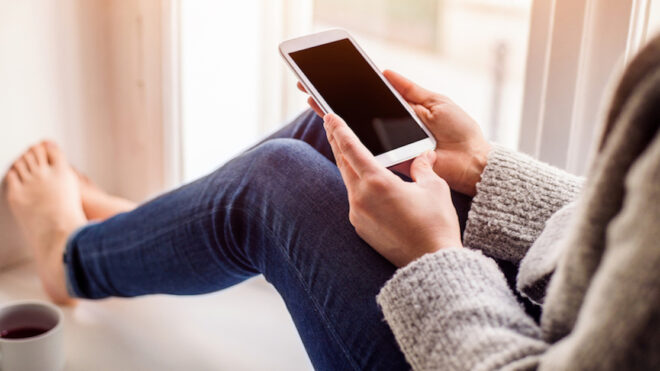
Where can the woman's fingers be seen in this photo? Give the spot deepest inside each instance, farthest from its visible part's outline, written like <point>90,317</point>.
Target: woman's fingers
<point>421,169</point>
<point>410,91</point>
<point>315,107</point>
<point>354,152</point>
<point>422,112</point>
<point>310,101</point>
<point>347,172</point>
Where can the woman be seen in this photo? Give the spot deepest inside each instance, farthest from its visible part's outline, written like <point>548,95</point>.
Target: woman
<point>333,236</point>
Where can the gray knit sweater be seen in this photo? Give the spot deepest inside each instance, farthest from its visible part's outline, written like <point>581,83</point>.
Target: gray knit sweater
<point>590,255</point>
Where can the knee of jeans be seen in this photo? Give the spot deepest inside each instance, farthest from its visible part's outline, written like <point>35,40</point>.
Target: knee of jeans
<point>284,152</point>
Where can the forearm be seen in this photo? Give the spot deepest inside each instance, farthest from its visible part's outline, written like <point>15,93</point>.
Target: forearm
<point>515,198</point>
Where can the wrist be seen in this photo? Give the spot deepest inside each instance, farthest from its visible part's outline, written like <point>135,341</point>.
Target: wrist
<point>445,242</point>
<point>436,248</point>
<point>477,164</point>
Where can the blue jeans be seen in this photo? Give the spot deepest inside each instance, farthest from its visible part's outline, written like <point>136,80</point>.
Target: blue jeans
<point>281,210</point>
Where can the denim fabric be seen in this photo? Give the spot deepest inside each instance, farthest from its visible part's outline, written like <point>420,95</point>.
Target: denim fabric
<point>281,210</point>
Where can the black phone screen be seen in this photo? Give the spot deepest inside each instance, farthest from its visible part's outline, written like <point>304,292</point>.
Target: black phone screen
<point>354,91</point>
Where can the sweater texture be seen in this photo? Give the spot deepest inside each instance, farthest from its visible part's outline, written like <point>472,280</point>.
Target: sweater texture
<point>589,253</point>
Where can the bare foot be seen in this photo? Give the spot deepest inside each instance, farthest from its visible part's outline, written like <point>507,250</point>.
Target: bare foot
<point>44,196</point>
<point>98,204</point>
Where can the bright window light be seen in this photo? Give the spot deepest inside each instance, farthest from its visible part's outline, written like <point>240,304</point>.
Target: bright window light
<point>473,51</point>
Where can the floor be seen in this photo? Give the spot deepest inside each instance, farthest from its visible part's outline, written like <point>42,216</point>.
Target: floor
<point>245,327</point>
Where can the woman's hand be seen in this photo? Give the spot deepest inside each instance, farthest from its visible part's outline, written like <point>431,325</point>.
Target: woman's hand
<point>400,220</point>
<point>462,151</point>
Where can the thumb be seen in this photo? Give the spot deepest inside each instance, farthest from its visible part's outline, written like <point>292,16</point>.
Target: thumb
<point>421,170</point>
<point>331,122</point>
<point>410,91</point>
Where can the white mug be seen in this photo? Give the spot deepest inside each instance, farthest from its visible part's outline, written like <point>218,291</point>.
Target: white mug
<point>31,337</point>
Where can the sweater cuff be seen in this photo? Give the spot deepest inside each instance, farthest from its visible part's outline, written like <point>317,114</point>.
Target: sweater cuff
<point>451,300</point>
<point>445,275</point>
<point>515,197</point>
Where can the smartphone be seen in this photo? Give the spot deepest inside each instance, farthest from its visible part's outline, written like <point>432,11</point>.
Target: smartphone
<point>342,79</point>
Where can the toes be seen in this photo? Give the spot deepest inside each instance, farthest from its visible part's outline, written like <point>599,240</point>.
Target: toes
<point>53,153</point>
<point>40,153</point>
<point>11,182</point>
<point>22,169</point>
<point>31,160</point>
<point>11,179</point>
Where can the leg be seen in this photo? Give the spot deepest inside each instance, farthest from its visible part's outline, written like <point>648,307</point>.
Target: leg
<point>99,205</point>
<point>281,210</point>
<point>307,127</point>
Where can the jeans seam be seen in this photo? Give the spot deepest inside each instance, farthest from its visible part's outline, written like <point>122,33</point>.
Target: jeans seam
<point>317,307</point>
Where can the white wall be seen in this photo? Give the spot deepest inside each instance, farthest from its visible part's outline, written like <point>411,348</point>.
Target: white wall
<point>36,82</point>
<point>87,75</point>
<point>38,87</point>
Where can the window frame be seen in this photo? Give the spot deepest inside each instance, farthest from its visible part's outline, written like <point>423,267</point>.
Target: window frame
<point>576,47</point>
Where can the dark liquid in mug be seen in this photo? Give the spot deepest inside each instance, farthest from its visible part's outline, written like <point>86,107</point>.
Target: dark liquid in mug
<point>22,332</point>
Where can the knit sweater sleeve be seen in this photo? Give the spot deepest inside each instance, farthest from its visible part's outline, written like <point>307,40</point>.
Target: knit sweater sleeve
<point>515,198</point>
<point>453,310</point>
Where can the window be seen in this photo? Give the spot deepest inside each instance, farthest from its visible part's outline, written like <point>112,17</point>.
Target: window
<point>235,89</point>
<point>577,50</point>
<point>652,19</point>
<point>219,82</point>
<point>473,51</point>
<point>531,72</point>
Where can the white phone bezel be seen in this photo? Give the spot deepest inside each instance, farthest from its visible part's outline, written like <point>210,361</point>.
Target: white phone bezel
<point>386,159</point>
